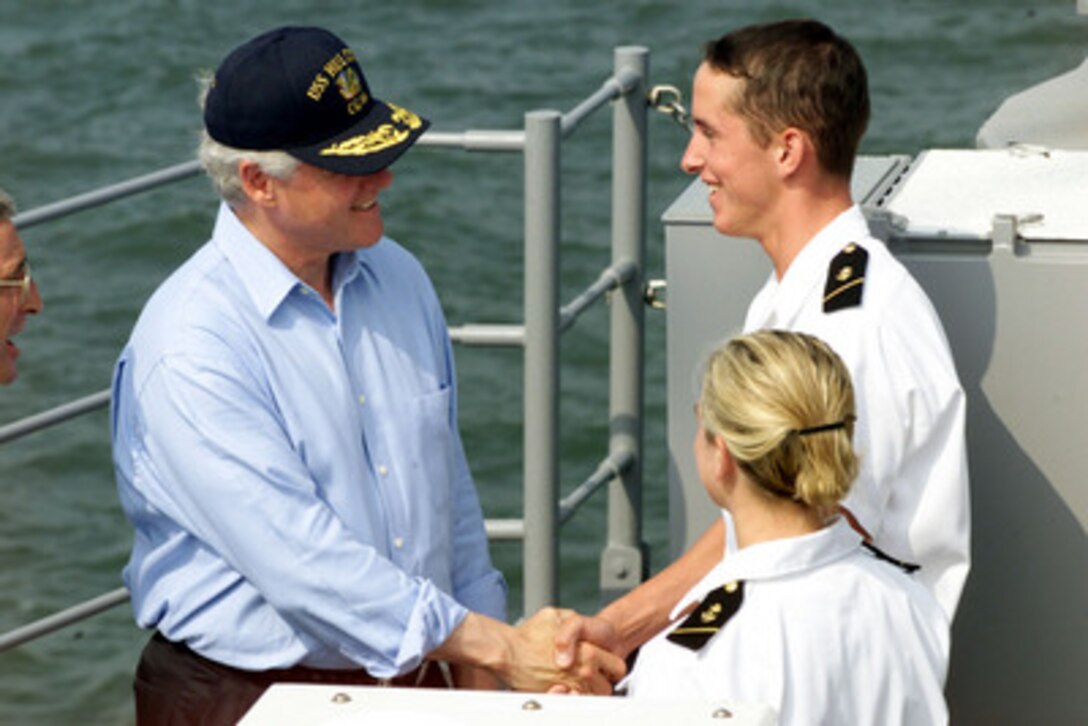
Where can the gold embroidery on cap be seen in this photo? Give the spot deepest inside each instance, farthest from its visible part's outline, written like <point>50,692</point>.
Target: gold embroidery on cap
<point>349,84</point>
<point>317,87</point>
<point>401,125</point>
<point>404,116</point>
<point>338,62</point>
<point>338,69</point>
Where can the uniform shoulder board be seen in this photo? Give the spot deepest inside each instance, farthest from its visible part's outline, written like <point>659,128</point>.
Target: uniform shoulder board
<point>845,278</point>
<point>710,616</point>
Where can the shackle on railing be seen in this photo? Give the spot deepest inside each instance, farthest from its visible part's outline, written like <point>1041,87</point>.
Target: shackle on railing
<point>668,100</point>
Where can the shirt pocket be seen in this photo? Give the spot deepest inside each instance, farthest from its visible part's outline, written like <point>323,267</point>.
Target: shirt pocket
<point>424,441</point>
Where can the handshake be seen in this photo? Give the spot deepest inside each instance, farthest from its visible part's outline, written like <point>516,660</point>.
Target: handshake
<point>555,650</point>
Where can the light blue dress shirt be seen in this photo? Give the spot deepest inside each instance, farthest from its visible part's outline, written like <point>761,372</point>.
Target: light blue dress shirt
<point>295,476</point>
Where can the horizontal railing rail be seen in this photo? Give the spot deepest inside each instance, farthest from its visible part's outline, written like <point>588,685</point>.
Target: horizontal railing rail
<point>611,468</point>
<point>62,619</point>
<point>105,195</point>
<point>478,334</point>
<point>497,530</point>
<point>54,416</point>
<point>623,82</point>
<point>610,279</point>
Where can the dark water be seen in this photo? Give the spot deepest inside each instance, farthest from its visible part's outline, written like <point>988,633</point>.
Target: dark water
<point>94,93</point>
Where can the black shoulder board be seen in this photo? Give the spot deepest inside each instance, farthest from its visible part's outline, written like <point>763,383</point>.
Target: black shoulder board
<point>845,278</point>
<point>709,617</point>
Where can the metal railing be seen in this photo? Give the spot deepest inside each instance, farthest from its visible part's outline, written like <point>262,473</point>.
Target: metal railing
<point>623,561</point>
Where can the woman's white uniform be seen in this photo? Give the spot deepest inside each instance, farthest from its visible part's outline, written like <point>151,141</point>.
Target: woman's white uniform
<point>911,494</point>
<point>827,633</point>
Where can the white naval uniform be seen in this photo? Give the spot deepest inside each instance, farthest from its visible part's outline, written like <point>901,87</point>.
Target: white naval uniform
<point>912,493</point>
<point>826,634</point>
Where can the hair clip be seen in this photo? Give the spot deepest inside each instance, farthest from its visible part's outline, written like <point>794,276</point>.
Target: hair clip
<point>850,418</point>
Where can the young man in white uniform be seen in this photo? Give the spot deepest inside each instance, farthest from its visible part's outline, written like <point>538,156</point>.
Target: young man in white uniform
<point>778,112</point>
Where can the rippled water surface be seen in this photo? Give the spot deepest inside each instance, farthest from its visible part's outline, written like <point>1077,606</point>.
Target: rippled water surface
<point>95,93</point>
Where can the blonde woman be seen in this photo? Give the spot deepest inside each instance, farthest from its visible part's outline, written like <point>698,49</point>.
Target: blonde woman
<point>800,614</point>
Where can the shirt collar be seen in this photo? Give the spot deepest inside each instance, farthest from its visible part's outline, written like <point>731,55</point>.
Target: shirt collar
<point>267,281</point>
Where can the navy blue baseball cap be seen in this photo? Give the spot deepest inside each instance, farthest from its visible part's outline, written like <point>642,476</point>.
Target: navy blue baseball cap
<point>302,91</point>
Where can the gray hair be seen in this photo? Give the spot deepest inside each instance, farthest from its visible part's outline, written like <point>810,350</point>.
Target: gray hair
<point>7,206</point>
<point>220,161</point>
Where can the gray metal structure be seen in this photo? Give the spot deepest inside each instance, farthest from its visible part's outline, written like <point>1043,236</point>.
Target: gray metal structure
<point>1051,113</point>
<point>1014,304</point>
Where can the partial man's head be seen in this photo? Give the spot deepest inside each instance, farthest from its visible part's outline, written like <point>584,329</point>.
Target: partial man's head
<point>19,295</point>
<point>294,102</point>
<point>801,74</point>
<point>775,108</point>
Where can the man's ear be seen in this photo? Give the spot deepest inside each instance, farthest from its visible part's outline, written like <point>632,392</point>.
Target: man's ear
<point>258,186</point>
<point>791,148</point>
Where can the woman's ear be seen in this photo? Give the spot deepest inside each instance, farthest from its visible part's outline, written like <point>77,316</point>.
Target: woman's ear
<point>725,464</point>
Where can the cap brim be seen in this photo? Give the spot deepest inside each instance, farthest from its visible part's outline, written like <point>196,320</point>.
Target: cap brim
<point>384,133</point>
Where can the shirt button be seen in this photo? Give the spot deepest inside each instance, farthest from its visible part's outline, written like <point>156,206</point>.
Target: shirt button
<point>305,290</point>
<point>362,400</point>
<point>383,470</point>
<point>398,542</point>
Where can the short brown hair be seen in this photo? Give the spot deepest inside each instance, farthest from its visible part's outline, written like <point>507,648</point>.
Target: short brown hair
<point>798,73</point>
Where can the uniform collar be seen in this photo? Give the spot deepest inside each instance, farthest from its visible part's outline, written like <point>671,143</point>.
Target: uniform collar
<point>806,274</point>
<point>777,558</point>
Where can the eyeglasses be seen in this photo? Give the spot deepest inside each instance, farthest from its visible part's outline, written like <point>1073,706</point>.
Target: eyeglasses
<point>23,282</point>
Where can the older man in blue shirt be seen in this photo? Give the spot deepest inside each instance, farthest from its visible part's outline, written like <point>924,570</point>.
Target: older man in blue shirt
<point>285,427</point>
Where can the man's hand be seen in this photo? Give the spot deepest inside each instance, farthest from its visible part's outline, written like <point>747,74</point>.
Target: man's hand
<point>476,679</point>
<point>524,657</point>
<point>629,621</point>
<point>585,665</point>
<point>576,628</point>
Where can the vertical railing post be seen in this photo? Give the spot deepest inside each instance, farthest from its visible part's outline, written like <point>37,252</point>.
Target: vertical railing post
<point>541,369</point>
<point>624,562</point>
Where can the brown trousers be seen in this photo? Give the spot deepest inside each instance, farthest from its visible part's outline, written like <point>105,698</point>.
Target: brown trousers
<point>176,687</point>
